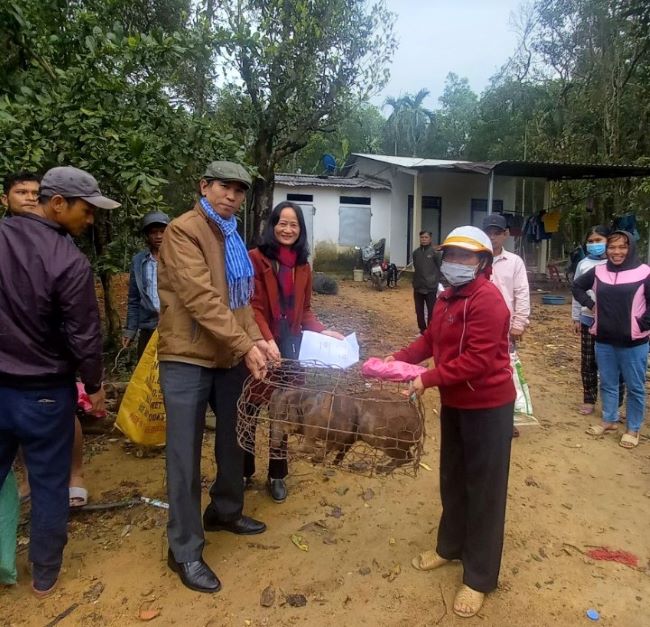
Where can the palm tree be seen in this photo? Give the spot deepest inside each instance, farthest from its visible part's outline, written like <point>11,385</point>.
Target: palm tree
<point>409,121</point>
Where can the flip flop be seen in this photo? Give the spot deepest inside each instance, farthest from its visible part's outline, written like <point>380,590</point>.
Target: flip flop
<point>629,440</point>
<point>78,496</point>
<point>600,430</point>
<point>469,598</point>
<point>429,560</point>
<point>586,409</point>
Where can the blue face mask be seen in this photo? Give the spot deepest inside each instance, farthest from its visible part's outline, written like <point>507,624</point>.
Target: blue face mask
<point>596,249</point>
<point>458,273</point>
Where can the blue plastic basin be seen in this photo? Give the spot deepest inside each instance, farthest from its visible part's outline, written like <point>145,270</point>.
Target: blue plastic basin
<point>552,299</point>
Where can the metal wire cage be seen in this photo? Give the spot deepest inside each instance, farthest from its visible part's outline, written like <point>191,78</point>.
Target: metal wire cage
<point>331,416</point>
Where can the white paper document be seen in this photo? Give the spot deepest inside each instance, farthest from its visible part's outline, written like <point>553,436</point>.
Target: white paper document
<point>328,350</point>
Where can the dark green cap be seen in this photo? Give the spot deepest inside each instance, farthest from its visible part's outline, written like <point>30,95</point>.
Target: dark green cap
<point>228,171</point>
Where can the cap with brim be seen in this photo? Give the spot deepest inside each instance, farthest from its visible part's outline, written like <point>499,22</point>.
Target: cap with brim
<point>495,220</point>
<point>155,218</point>
<point>228,171</point>
<point>469,238</point>
<point>75,183</point>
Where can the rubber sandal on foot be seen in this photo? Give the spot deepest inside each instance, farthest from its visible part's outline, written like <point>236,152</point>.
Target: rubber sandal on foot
<point>629,440</point>
<point>429,560</point>
<point>468,602</point>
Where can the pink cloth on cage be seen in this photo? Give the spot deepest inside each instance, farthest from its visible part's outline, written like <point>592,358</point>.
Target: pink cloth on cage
<point>392,370</point>
<point>83,401</point>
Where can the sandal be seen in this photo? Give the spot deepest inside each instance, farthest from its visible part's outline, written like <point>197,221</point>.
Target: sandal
<point>78,496</point>
<point>586,409</point>
<point>629,440</point>
<point>600,429</point>
<point>468,602</point>
<point>429,560</point>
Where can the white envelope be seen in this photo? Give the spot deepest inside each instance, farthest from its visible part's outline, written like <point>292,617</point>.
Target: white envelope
<point>329,350</point>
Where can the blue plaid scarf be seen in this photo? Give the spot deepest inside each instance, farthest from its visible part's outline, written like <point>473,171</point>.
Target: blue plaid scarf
<point>239,269</point>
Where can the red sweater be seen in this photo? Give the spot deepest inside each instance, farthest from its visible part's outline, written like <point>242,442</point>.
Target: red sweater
<point>468,339</point>
<point>266,299</point>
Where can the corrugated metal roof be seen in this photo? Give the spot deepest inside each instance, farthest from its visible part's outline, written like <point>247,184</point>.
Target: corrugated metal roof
<point>313,180</point>
<point>551,170</point>
<point>411,162</point>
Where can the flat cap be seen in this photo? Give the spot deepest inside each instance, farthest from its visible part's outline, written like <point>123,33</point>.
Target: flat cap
<point>228,171</point>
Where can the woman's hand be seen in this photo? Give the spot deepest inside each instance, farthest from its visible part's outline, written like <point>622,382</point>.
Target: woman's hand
<point>389,359</point>
<point>274,353</point>
<point>417,387</point>
<point>269,350</point>
<point>335,334</point>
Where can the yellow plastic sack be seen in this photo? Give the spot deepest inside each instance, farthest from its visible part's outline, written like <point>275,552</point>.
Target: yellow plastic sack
<point>142,413</point>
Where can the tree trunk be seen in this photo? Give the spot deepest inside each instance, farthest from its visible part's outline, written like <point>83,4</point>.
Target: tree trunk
<point>102,237</point>
<point>111,314</point>
<point>262,203</point>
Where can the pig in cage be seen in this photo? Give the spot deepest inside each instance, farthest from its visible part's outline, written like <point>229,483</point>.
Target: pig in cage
<point>332,416</point>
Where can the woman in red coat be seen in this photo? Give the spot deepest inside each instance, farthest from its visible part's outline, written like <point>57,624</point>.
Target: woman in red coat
<point>282,306</point>
<point>468,340</point>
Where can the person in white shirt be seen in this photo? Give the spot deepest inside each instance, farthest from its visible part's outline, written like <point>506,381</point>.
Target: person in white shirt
<point>509,275</point>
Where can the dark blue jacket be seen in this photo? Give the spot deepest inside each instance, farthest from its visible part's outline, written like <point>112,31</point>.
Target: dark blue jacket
<point>140,313</point>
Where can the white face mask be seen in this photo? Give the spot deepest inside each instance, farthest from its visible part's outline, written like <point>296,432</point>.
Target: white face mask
<point>458,273</point>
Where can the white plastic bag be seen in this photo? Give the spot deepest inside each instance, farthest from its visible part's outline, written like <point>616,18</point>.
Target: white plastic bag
<point>523,404</point>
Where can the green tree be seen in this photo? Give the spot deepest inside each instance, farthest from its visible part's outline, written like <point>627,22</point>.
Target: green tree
<point>450,136</point>
<point>303,67</point>
<point>76,91</point>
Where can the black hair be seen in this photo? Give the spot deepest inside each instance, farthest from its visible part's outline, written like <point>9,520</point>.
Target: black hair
<point>269,245</point>
<point>18,177</point>
<point>598,229</point>
<point>426,233</point>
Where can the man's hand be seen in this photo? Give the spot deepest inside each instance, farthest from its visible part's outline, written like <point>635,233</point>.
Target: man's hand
<point>335,334</point>
<point>269,350</point>
<point>576,326</point>
<point>126,341</point>
<point>255,363</point>
<point>98,401</point>
<point>389,359</point>
<point>417,387</point>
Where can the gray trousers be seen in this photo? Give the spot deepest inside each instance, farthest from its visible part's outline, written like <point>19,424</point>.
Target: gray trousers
<point>187,390</point>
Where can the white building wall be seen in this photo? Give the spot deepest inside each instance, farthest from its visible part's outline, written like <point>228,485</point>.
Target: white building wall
<point>327,202</point>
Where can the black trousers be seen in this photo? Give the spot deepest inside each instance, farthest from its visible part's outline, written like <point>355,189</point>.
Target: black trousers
<point>278,468</point>
<point>144,335</point>
<point>589,369</point>
<point>187,390</point>
<point>428,299</point>
<point>474,467</point>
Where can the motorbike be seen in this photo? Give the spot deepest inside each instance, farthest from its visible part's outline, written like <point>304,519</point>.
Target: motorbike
<point>380,273</point>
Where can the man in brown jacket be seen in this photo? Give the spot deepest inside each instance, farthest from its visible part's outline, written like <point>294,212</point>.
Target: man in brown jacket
<point>209,342</point>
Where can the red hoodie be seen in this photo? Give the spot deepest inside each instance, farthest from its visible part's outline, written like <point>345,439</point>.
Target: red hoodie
<point>468,339</point>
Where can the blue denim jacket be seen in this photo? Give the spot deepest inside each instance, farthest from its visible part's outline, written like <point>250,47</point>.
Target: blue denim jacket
<point>141,313</point>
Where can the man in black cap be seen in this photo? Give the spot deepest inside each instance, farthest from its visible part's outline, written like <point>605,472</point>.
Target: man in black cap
<point>209,343</point>
<point>510,276</point>
<point>144,304</point>
<point>49,321</point>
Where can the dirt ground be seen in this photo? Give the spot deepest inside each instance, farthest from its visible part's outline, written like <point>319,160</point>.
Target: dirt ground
<point>568,493</point>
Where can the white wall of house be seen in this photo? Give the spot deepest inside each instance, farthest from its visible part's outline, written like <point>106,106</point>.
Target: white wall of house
<point>326,202</point>
<point>390,208</point>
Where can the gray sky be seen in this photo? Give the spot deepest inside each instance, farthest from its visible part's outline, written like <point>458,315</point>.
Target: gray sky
<point>472,38</point>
